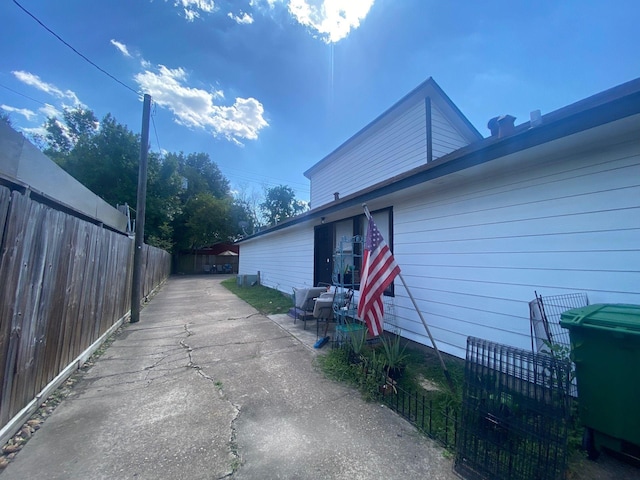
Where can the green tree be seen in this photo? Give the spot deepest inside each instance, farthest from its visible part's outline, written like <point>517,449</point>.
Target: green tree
<point>189,203</point>
<point>205,220</point>
<point>104,157</point>
<point>200,175</point>
<point>242,220</point>
<point>249,201</point>
<point>164,205</point>
<point>6,118</point>
<point>201,182</point>
<point>280,203</point>
<point>63,135</point>
<point>107,162</point>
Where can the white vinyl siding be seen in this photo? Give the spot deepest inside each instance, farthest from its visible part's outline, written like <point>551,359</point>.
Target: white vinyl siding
<point>283,258</point>
<point>445,138</point>
<point>383,152</point>
<point>377,155</point>
<point>474,251</point>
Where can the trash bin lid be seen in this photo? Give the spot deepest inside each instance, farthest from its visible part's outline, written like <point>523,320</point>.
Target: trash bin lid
<point>605,316</point>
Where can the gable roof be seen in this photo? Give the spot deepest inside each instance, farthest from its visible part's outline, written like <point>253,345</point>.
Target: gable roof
<point>427,89</point>
<point>612,105</point>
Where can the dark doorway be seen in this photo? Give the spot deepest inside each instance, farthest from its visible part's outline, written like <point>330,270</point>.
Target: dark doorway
<point>323,254</point>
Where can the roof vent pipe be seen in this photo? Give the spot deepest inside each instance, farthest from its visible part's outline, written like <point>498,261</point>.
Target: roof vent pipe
<point>536,118</point>
<point>501,126</point>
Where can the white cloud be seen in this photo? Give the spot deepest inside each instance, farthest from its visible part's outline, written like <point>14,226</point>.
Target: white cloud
<point>193,8</point>
<point>257,3</point>
<point>26,113</point>
<point>35,132</point>
<point>50,111</point>
<point>35,81</point>
<point>332,19</point>
<point>122,47</point>
<point>194,107</point>
<point>243,18</point>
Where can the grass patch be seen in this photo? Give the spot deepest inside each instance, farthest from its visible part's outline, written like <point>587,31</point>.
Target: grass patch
<point>367,372</point>
<point>267,301</point>
<point>420,393</point>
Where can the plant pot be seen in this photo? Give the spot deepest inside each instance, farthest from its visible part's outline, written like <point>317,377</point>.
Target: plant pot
<point>389,387</point>
<point>395,373</point>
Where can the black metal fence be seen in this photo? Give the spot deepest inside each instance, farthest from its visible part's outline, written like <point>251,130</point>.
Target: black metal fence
<point>514,419</point>
<point>438,418</point>
<point>515,414</point>
<point>439,421</point>
<point>546,332</point>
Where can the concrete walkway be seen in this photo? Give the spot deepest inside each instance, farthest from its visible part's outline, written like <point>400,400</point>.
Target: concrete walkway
<point>204,387</point>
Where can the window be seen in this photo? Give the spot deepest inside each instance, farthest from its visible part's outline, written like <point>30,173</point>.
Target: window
<point>384,222</point>
<point>348,228</point>
<point>327,241</point>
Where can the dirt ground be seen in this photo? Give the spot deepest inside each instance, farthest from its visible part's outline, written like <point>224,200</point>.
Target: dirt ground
<point>607,467</point>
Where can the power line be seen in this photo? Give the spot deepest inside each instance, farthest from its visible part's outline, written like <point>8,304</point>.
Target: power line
<point>260,177</point>
<point>274,182</point>
<point>23,95</point>
<point>76,51</point>
<point>153,122</point>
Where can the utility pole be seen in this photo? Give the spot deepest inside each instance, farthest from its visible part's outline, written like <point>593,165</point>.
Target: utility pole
<point>136,284</point>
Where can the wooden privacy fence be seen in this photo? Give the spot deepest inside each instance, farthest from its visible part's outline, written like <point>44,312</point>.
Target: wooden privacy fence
<point>65,282</point>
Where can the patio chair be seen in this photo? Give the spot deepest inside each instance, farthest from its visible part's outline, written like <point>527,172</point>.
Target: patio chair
<point>304,300</point>
<point>326,304</point>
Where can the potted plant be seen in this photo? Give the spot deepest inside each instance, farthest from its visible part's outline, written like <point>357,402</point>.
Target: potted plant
<point>394,355</point>
<point>357,339</point>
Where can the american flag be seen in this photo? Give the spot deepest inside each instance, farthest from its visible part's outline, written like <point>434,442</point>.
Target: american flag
<point>379,268</point>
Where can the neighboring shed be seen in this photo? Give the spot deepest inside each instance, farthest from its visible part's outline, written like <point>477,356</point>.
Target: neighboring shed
<point>552,207</point>
<point>218,258</point>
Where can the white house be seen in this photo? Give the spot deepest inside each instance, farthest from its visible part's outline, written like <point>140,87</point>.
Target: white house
<point>476,224</point>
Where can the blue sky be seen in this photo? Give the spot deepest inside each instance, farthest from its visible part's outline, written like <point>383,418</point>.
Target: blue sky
<point>269,87</point>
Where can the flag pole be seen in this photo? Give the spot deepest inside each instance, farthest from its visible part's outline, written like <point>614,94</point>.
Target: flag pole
<point>426,327</point>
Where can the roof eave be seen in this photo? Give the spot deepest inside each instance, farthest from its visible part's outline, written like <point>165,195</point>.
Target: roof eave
<point>421,91</point>
<point>609,106</point>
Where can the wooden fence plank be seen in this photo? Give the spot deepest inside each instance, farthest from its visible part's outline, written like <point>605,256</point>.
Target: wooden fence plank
<point>5,198</point>
<point>65,282</point>
<point>10,314</point>
<point>53,300</point>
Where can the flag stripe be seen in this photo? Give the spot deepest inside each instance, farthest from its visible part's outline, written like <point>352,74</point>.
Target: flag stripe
<point>379,268</point>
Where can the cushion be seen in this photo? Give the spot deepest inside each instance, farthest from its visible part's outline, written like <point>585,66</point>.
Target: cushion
<point>304,296</point>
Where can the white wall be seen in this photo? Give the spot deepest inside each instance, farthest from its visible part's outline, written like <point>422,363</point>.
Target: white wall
<point>391,146</point>
<point>445,138</point>
<point>474,250</point>
<point>284,258</point>
<point>375,156</point>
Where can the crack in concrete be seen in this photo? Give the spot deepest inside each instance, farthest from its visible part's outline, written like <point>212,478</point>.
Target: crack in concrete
<point>156,363</point>
<point>150,367</point>
<point>236,460</point>
<point>246,317</point>
<point>248,342</point>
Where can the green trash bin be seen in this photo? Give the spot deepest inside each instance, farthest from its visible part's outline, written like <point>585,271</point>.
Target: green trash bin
<point>605,347</point>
